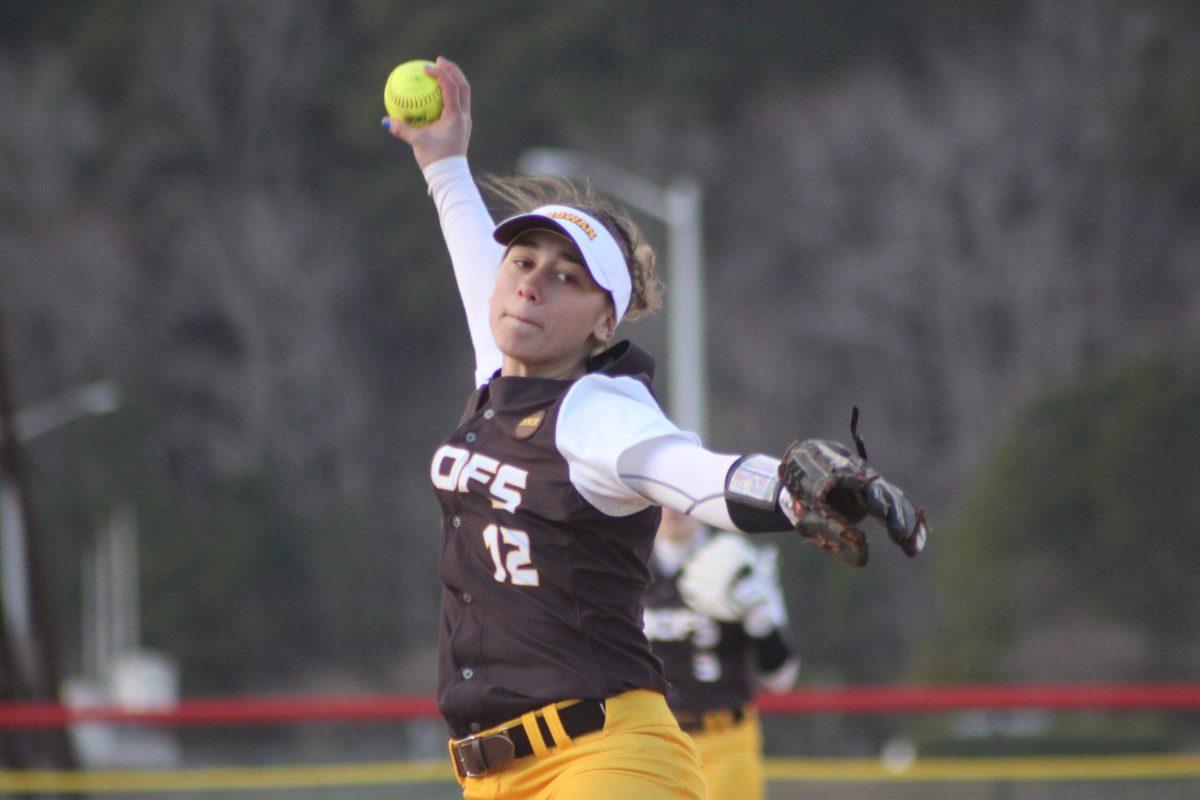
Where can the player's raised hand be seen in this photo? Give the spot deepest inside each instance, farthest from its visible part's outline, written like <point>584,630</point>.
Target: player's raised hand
<point>450,133</point>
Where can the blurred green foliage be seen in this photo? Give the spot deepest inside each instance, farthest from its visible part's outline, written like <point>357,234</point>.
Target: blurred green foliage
<point>232,586</point>
<point>242,591</point>
<point>1086,510</point>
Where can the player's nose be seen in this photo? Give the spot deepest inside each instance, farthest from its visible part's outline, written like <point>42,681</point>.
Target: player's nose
<point>530,286</point>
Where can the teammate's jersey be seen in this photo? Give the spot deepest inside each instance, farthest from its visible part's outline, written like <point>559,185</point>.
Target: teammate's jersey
<point>542,592</point>
<point>707,663</point>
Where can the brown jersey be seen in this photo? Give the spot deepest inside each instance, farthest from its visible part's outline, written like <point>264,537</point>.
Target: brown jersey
<point>542,593</point>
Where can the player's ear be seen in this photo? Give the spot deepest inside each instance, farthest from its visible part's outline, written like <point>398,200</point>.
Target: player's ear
<point>605,326</point>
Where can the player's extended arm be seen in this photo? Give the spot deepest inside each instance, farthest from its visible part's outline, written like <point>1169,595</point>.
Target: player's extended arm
<point>623,454</point>
<point>819,489</point>
<point>440,149</point>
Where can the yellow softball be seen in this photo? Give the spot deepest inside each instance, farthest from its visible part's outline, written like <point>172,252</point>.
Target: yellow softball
<point>412,94</point>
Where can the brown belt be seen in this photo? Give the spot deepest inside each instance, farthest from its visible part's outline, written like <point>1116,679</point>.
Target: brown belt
<point>711,720</point>
<point>479,753</point>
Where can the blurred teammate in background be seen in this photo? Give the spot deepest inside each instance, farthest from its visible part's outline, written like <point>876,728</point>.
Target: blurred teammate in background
<point>715,617</point>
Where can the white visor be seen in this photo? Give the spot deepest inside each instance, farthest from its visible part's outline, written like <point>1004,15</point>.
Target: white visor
<point>601,253</point>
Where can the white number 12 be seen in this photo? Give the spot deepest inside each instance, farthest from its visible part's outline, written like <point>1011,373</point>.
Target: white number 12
<point>517,562</point>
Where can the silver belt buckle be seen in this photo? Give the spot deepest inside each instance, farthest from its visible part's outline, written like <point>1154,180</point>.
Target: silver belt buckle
<point>469,756</point>
<point>475,755</point>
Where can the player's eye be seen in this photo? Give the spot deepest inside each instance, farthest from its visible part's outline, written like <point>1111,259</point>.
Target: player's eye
<point>566,277</point>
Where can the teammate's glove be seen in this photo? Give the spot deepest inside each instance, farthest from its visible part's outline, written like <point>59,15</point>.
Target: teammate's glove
<point>731,581</point>
<point>827,491</point>
<point>765,609</point>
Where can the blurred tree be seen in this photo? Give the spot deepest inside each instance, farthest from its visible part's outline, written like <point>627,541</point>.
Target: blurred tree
<point>1074,555</point>
<point>229,589</point>
<point>1162,116</point>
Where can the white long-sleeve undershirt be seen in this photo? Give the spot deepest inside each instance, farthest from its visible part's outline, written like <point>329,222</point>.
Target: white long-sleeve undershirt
<point>627,467</point>
<point>467,228</point>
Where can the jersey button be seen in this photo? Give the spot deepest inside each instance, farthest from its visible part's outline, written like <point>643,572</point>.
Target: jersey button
<point>466,598</point>
<point>468,673</point>
<point>456,522</point>
<point>489,414</point>
<point>470,437</point>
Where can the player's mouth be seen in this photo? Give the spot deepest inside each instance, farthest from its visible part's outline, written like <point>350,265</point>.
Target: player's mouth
<point>519,318</point>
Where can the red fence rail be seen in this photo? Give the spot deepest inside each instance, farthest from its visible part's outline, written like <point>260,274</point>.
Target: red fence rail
<point>844,700</point>
<point>1066,697</point>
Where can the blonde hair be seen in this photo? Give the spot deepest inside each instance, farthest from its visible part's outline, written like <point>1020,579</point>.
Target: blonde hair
<point>524,194</point>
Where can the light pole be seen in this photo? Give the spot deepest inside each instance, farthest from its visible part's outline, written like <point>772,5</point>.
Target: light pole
<point>679,206</point>
<point>100,397</point>
<point>19,568</point>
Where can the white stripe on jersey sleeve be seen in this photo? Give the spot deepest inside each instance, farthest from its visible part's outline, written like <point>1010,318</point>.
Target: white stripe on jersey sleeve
<point>467,228</point>
<point>600,419</point>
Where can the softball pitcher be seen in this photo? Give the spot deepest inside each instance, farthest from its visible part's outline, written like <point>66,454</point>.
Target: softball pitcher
<point>550,488</point>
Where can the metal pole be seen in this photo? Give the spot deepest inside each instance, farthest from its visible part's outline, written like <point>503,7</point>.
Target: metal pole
<point>16,593</point>
<point>46,684</point>
<point>685,314</point>
<point>14,586</point>
<point>104,604</point>
<point>123,567</point>
<point>89,600</point>
<point>13,750</point>
<point>127,518</point>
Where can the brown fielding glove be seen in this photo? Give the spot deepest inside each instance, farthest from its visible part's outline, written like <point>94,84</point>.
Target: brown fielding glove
<point>829,491</point>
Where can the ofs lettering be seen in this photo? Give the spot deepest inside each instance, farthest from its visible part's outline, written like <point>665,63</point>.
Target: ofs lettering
<point>453,468</point>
